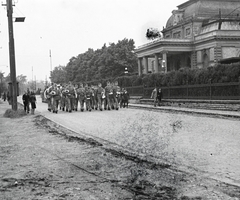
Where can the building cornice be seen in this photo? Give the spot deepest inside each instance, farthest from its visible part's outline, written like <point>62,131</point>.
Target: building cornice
<point>165,42</point>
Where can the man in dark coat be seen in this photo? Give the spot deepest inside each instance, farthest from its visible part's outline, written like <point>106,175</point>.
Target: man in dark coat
<point>26,100</point>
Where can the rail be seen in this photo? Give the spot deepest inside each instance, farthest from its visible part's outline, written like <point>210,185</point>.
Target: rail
<point>210,91</point>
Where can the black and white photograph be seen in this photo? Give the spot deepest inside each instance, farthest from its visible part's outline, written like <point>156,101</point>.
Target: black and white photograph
<point>119,100</point>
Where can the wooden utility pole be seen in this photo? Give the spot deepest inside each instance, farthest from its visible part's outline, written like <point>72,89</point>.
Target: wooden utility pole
<point>13,87</point>
<point>50,55</point>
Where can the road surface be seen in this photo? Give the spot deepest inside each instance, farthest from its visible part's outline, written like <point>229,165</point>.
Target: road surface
<point>192,143</point>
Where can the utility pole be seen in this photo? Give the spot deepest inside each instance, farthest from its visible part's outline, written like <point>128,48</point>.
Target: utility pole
<point>12,56</point>
<point>35,85</point>
<point>32,79</point>
<point>50,64</point>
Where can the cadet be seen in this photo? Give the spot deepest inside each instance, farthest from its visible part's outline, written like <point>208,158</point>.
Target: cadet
<point>108,94</point>
<point>70,97</point>
<point>47,96</point>
<point>81,94</point>
<point>88,98</point>
<point>100,94</point>
<point>116,94</point>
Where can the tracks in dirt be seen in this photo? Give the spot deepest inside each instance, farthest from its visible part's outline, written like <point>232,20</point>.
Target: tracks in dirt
<point>143,189</point>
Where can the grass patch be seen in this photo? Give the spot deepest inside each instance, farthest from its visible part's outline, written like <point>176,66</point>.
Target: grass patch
<point>9,113</point>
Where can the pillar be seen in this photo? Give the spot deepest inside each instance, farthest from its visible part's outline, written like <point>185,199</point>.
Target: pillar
<point>156,64</point>
<point>145,62</point>
<point>164,61</point>
<point>139,66</point>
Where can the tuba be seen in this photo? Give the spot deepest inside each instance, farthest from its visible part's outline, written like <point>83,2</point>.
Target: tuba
<point>53,92</point>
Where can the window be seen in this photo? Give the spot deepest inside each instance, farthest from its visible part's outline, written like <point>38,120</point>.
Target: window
<point>167,36</point>
<point>177,35</point>
<point>188,32</point>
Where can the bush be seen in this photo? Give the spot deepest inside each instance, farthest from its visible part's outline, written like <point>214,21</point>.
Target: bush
<point>221,73</point>
<point>9,113</point>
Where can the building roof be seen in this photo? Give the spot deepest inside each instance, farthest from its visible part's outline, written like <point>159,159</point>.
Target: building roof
<point>206,9</point>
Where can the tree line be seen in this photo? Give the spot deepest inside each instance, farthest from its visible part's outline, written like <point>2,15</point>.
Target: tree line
<point>106,63</point>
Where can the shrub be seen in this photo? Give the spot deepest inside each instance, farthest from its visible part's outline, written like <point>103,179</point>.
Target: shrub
<point>219,74</point>
<point>9,113</point>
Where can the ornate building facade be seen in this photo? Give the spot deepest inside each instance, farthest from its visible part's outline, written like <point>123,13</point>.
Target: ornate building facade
<point>197,35</point>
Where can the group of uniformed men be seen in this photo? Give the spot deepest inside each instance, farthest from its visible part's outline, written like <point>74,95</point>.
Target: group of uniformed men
<point>67,96</point>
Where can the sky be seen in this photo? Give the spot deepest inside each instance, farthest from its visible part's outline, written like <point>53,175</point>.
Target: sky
<point>67,28</point>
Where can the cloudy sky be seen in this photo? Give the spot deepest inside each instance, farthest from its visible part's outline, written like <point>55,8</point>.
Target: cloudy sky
<point>69,27</point>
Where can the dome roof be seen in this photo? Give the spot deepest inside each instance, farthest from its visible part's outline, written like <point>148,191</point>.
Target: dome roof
<point>205,9</point>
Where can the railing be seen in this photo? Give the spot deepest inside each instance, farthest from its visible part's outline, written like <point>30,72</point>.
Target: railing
<point>211,91</point>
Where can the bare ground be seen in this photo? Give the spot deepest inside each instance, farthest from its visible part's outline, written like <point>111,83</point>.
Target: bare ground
<point>41,160</point>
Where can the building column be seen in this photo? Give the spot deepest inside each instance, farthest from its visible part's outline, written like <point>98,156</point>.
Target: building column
<point>156,64</point>
<point>139,66</point>
<point>164,60</point>
<point>194,59</point>
<point>145,62</point>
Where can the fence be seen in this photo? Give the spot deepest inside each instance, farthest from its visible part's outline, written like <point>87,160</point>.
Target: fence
<point>212,91</point>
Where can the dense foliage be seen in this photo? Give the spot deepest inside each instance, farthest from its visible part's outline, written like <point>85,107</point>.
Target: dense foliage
<point>109,62</point>
<point>221,73</point>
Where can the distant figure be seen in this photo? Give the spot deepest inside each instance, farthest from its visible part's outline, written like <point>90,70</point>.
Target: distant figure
<point>125,98</point>
<point>9,99</point>
<point>4,96</point>
<point>26,100</point>
<point>33,100</point>
<point>156,96</point>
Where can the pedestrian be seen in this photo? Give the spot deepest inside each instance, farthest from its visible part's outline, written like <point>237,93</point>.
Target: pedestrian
<point>33,102</point>
<point>26,100</point>
<point>4,96</point>
<point>125,98</point>
<point>156,96</point>
<point>9,98</point>
<point>159,96</point>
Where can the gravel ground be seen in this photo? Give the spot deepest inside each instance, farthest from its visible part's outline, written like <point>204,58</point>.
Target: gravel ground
<point>41,160</point>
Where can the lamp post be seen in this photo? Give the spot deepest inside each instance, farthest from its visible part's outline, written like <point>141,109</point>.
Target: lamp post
<point>13,87</point>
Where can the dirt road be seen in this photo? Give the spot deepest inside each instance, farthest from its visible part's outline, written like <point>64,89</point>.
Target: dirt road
<point>42,160</point>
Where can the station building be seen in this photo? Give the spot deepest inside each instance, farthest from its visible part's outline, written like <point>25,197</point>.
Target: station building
<point>198,34</point>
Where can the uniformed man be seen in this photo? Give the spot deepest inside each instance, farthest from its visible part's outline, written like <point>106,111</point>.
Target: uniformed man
<point>63,98</point>
<point>55,95</point>
<point>88,91</point>
<point>75,99</point>
<point>70,97</point>
<point>93,97</point>
<point>100,94</point>
<point>47,96</point>
<point>116,94</point>
<point>81,94</point>
<point>109,95</point>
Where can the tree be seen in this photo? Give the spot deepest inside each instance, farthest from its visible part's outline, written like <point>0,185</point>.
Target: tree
<point>105,63</point>
<point>59,74</point>
<point>22,80</point>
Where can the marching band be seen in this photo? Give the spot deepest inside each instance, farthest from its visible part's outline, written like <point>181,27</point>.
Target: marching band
<point>66,97</point>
